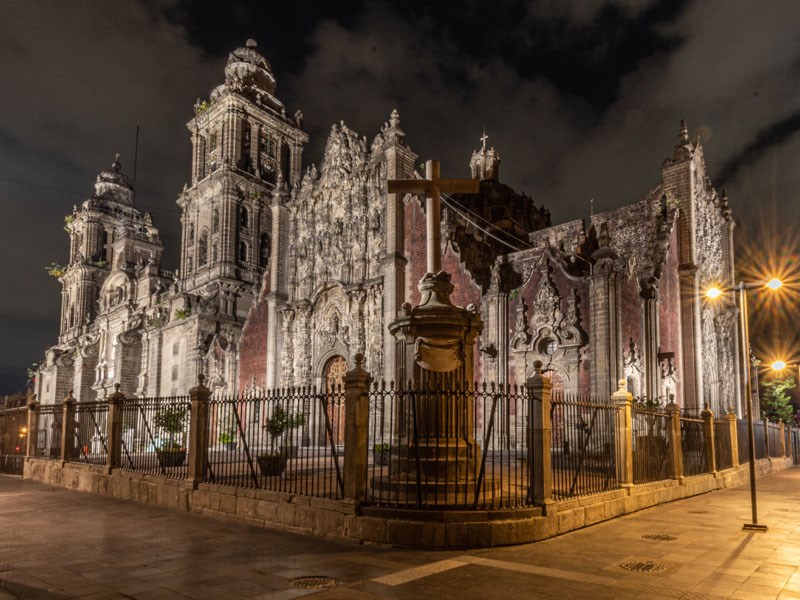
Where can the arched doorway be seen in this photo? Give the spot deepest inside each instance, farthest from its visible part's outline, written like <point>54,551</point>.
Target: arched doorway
<point>334,372</point>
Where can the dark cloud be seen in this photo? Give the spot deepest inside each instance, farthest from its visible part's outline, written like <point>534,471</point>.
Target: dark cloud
<point>766,139</point>
<point>582,100</point>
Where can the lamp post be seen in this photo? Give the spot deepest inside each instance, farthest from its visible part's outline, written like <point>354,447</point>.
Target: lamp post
<point>742,288</point>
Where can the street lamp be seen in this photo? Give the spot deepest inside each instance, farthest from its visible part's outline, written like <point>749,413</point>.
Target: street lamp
<point>741,288</point>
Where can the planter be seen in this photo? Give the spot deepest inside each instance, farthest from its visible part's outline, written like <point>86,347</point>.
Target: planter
<point>271,464</point>
<point>381,456</point>
<point>172,458</point>
<point>288,452</point>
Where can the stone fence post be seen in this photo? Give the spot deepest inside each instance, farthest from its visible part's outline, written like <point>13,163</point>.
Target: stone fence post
<point>33,424</point>
<point>708,436</point>
<point>540,437</point>
<point>782,433</point>
<point>733,436</point>
<point>198,431</point>
<point>675,442</point>
<point>765,424</point>
<point>356,430</point>
<point>68,427</point>
<point>114,428</point>
<point>623,400</point>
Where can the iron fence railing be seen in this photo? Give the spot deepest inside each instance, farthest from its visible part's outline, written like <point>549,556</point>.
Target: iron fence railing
<point>155,435</point>
<point>652,453</point>
<point>89,433</point>
<point>693,446</point>
<point>290,440</point>
<point>741,441</point>
<point>722,444</point>
<point>463,447</point>
<point>774,445</point>
<point>761,439</point>
<point>48,431</point>
<point>796,446</point>
<point>13,431</point>
<point>12,464</point>
<point>583,446</point>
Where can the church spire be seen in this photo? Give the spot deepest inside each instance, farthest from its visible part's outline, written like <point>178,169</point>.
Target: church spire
<point>485,164</point>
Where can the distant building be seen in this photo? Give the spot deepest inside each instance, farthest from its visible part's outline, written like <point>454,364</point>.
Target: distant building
<point>286,274</point>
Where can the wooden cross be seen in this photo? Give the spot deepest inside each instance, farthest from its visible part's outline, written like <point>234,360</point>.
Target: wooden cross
<point>432,186</point>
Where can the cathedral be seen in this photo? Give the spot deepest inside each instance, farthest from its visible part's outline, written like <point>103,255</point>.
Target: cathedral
<point>286,272</point>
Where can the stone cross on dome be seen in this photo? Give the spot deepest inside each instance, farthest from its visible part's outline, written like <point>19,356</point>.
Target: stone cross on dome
<point>432,186</point>
<point>484,137</point>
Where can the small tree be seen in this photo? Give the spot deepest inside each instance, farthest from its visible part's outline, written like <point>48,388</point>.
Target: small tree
<point>775,402</point>
<point>172,419</point>
<point>279,422</point>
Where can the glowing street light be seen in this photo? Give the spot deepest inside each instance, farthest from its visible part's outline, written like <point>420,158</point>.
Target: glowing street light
<point>741,288</point>
<point>778,365</point>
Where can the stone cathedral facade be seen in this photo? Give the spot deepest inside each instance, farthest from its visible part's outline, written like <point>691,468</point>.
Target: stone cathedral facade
<point>286,273</point>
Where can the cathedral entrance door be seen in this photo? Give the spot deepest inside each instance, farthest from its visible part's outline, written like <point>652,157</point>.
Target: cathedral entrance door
<point>335,369</point>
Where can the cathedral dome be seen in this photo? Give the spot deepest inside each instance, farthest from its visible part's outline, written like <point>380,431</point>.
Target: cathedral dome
<point>248,68</point>
<point>113,184</point>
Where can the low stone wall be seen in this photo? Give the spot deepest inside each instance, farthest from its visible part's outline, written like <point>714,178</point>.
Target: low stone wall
<point>345,521</point>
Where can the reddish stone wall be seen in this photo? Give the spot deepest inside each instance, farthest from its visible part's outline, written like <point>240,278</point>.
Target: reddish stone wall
<point>253,345</point>
<point>631,318</point>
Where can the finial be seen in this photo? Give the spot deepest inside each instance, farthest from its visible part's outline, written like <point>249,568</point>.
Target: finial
<point>684,134</point>
<point>202,378</point>
<point>251,43</point>
<point>537,367</point>
<point>484,137</point>
<point>394,118</point>
<point>359,360</point>
<point>116,164</point>
<point>117,386</point>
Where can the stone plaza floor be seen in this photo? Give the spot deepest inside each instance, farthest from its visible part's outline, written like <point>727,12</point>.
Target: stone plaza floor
<point>57,543</point>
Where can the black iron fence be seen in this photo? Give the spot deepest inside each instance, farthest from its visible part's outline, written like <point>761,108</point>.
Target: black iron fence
<point>14,431</point>
<point>289,440</point>
<point>652,452</point>
<point>722,444</point>
<point>155,435</point>
<point>89,433</point>
<point>583,449</point>
<point>693,446</point>
<point>742,441</point>
<point>795,445</point>
<point>48,431</point>
<point>774,441</point>
<point>463,447</point>
<point>761,439</point>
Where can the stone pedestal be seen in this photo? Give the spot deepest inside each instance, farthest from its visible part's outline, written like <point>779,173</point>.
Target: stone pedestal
<point>437,456</point>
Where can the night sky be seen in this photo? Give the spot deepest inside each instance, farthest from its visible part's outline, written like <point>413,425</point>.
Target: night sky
<point>581,99</point>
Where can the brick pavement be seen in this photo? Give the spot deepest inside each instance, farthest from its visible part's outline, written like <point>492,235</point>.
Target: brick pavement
<point>57,543</point>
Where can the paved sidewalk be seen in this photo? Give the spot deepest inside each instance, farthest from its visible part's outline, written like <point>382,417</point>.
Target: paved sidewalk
<point>58,543</point>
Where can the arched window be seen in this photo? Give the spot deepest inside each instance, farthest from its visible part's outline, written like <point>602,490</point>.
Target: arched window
<point>202,248</point>
<point>243,252</point>
<point>191,232</point>
<point>244,217</point>
<point>215,221</point>
<point>263,250</point>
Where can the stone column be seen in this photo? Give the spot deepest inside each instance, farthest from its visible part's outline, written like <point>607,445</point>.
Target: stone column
<point>623,400</point>
<point>540,437</point>
<point>33,424</point>
<point>604,322</point>
<point>68,427</point>
<point>356,436</point>
<point>276,297</point>
<point>675,442</point>
<point>114,428</point>
<point>649,297</point>
<point>708,435</point>
<point>734,437</point>
<point>198,432</point>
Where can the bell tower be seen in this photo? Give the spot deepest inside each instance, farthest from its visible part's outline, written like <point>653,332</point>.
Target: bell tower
<point>244,146</point>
